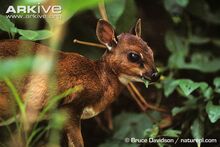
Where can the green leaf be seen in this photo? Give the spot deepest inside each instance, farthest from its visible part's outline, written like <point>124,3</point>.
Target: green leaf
<point>130,125</point>
<point>190,104</point>
<point>34,35</point>
<point>128,18</point>
<point>213,111</point>
<point>121,14</point>
<point>182,3</point>
<point>195,39</point>
<point>171,133</point>
<point>175,43</point>
<point>204,62</point>
<point>201,9</point>
<point>198,39</point>
<point>29,34</point>
<point>70,7</point>
<point>208,93</point>
<point>174,7</point>
<point>7,25</point>
<point>58,119</point>
<point>152,132</point>
<point>15,67</point>
<point>169,4</point>
<point>169,86</point>
<point>127,125</point>
<point>146,82</point>
<point>188,86</point>
<point>178,47</point>
<point>177,110</point>
<point>217,84</point>
<point>43,34</point>
<point>197,130</point>
<point>114,10</point>
<point>176,60</point>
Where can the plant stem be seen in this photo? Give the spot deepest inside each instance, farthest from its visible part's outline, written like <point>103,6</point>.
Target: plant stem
<point>102,10</point>
<point>89,43</point>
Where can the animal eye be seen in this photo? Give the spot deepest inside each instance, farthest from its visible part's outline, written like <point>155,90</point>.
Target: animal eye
<point>133,57</point>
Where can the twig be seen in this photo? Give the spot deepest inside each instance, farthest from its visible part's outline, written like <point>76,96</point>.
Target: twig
<point>102,10</point>
<point>108,118</point>
<point>101,125</point>
<point>142,107</point>
<point>142,99</point>
<point>89,43</point>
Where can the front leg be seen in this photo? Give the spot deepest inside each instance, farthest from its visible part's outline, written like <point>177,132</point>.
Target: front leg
<point>73,129</point>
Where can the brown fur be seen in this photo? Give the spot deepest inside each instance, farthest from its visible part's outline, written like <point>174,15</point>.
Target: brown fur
<point>100,79</point>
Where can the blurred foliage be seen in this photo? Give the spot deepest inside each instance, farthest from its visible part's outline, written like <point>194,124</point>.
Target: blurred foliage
<point>186,44</point>
<point>114,10</point>
<point>16,68</point>
<point>122,14</point>
<point>19,66</point>
<point>179,47</point>
<point>128,125</point>
<point>202,10</point>
<point>34,35</point>
<point>69,7</point>
<point>8,26</point>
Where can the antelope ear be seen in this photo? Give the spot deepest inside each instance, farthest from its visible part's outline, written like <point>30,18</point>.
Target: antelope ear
<point>136,30</point>
<point>106,34</point>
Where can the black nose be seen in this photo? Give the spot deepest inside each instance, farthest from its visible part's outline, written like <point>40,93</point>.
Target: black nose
<point>155,76</point>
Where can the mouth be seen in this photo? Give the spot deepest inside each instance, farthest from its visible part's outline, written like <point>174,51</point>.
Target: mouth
<point>153,78</point>
<point>125,79</point>
<point>146,78</point>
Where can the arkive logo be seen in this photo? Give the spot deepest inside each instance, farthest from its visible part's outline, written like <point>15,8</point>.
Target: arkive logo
<point>35,9</point>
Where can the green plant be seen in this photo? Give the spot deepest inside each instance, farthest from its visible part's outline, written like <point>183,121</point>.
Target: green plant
<point>188,54</point>
<point>8,26</point>
<point>16,68</point>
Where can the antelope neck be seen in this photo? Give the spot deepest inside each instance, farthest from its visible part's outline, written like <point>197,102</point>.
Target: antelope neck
<point>106,68</point>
